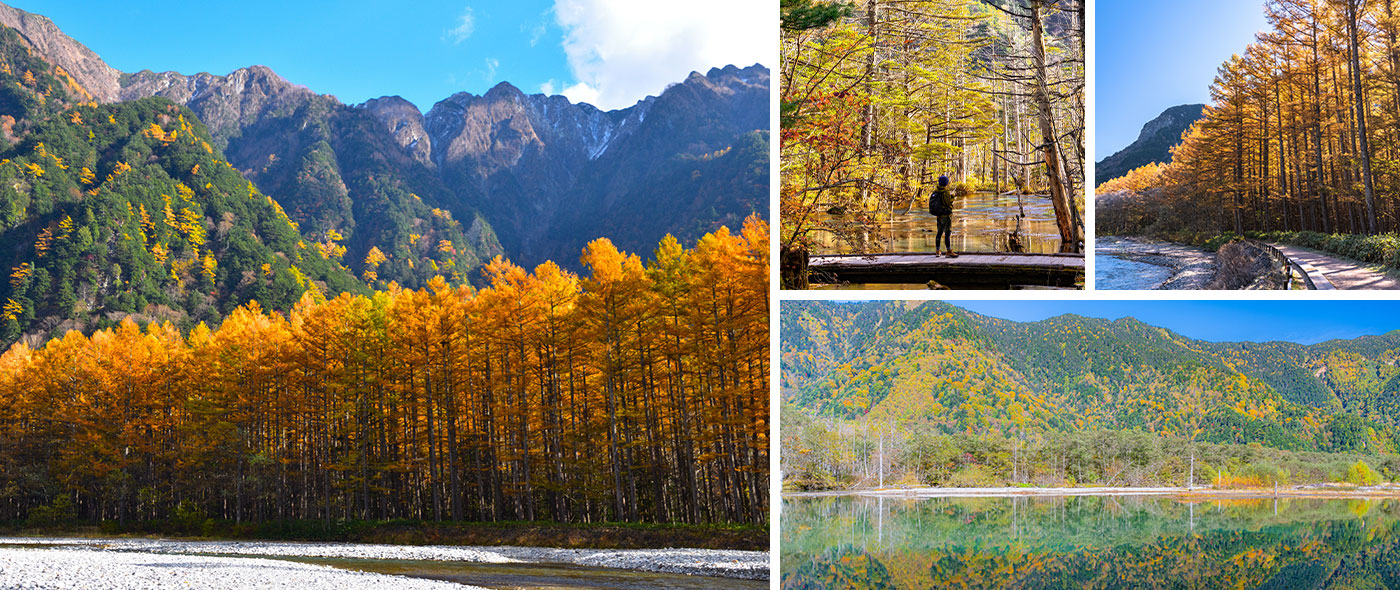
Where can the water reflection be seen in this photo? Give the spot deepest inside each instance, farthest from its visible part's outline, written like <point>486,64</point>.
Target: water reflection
<point>981,222</point>
<point>1089,542</point>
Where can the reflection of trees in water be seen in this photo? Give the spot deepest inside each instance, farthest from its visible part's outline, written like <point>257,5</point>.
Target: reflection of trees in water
<point>842,567</point>
<point>954,544</point>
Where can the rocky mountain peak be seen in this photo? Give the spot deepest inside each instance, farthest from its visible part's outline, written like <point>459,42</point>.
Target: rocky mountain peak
<point>404,122</point>
<point>98,78</point>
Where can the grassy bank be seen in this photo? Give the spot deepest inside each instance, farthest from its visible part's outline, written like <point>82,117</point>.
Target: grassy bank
<point>408,532</point>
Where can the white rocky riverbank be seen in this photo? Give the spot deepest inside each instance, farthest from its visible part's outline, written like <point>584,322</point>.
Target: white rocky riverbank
<point>748,565</point>
<point>87,569</point>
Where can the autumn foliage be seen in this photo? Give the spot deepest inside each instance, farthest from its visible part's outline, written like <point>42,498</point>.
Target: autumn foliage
<point>638,393</point>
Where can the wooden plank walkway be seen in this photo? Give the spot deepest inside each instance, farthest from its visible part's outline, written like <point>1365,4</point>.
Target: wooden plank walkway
<point>994,270</point>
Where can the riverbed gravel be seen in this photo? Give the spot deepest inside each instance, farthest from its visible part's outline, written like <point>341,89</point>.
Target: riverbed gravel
<point>747,565</point>
<point>87,569</point>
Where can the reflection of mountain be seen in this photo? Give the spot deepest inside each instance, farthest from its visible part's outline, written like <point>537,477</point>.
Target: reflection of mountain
<point>1089,542</point>
<point>939,364</point>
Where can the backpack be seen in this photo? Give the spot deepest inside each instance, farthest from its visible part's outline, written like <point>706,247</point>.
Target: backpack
<point>936,207</point>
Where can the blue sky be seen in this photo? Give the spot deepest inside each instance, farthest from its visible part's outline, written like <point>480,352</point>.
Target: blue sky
<point>1155,54</point>
<point>610,53</point>
<point>1307,322</point>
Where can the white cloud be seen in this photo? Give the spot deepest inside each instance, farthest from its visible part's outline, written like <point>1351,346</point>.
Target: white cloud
<point>621,50</point>
<point>538,33</point>
<point>547,88</point>
<point>582,92</point>
<point>464,29</point>
<point>491,65</point>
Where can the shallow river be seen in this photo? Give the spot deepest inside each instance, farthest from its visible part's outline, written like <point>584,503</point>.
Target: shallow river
<point>981,222</point>
<point>1089,542</point>
<point>1141,263</point>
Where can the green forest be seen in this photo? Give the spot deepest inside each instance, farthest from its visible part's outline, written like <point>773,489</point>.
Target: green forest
<point>931,394</point>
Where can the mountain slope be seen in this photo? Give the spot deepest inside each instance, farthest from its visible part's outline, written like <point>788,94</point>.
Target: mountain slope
<point>1154,143</point>
<point>963,372</point>
<point>336,169</point>
<point>128,209</point>
<point>545,174</point>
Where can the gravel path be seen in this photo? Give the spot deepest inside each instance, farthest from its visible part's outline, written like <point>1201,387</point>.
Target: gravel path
<point>1343,273</point>
<point>85,569</point>
<point>747,565</point>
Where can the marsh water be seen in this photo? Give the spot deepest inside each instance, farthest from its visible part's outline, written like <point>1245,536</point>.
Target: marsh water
<point>981,222</point>
<point>1103,542</point>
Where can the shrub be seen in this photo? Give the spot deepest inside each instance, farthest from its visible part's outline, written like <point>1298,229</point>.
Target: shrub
<point>1214,244</point>
<point>974,476</point>
<point>59,513</point>
<point>1361,474</point>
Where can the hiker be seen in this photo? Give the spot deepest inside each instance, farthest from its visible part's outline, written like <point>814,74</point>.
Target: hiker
<point>940,205</point>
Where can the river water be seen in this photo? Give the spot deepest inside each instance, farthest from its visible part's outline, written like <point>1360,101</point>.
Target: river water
<point>981,222</point>
<point>1140,263</point>
<point>1095,542</point>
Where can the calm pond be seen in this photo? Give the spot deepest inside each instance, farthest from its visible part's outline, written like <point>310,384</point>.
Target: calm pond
<point>1109,542</point>
<point>981,222</point>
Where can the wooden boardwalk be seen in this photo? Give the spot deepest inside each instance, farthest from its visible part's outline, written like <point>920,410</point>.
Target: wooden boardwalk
<point>967,271</point>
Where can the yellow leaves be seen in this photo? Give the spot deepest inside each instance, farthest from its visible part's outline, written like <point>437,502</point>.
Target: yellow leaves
<point>192,224</point>
<point>160,252</point>
<point>373,259</point>
<point>118,170</point>
<point>35,169</point>
<point>267,270</point>
<point>154,131</point>
<point>446,246</point>
<point>441,214</point>
<point>87,176</point>
<point>11,310</point>
<point>20,273</point>
<point>28,78</point>
<point>210,266</point>
<point>195,170</point>
<point>75,118</point>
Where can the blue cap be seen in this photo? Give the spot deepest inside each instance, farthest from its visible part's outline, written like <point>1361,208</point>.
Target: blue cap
<point>943,180</point>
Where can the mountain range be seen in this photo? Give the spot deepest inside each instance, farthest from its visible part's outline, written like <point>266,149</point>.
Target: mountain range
<point>942,365</point>
<point>1154,143</point>
<point>380,192</point>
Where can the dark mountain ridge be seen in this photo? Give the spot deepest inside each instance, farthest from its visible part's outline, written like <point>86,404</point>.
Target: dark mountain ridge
<point>1154,143</point>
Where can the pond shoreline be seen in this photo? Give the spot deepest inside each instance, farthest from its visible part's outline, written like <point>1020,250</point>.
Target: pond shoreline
<point>1200,492</point>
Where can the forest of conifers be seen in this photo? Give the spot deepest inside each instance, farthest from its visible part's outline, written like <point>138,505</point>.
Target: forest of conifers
<point>638,393</point>
<point>1303,134</point>
<point>881,97</point>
